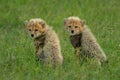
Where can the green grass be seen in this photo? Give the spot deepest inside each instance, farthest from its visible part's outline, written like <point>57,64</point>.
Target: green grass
<point>17,50</point>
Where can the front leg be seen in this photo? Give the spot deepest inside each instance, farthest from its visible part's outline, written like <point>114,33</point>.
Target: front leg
<point>38,54</point>
<point>78,52</point>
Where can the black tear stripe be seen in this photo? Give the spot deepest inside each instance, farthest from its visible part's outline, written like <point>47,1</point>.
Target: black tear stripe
<point>76,40</point>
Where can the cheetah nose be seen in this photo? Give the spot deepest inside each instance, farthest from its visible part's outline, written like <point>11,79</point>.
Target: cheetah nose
<point>32,35</point>
<point>72,31</point>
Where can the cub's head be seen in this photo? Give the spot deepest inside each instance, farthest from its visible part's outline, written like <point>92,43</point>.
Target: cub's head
<point>36,27</point>
<point>74,25</point>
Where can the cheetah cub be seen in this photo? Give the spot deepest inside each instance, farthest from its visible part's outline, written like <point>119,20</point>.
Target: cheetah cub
<point>46,41</point>
<point>83,41</point>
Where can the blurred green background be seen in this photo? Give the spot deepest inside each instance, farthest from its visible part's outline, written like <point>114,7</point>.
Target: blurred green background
<point>17,60</point>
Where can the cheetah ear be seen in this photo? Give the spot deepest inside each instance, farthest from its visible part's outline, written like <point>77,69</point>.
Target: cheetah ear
<point>26,22</point>
<point>83,22</point>
<point>43,24</point>
<point>65,20</point>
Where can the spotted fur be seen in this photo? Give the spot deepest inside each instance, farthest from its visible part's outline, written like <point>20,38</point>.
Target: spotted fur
<point>46,41</point>
<point>83,40</point>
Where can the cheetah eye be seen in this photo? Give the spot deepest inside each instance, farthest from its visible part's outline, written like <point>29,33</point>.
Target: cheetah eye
<point>29,29</point>
<point>36,30</point>
<point>69,26</point>
<point>76,26</point>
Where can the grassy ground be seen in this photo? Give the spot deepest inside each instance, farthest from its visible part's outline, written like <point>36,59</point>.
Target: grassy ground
<point>17,51</point>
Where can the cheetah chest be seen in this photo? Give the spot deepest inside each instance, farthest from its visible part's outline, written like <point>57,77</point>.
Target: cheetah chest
<point>76,40</point>
<point>39,42</point>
